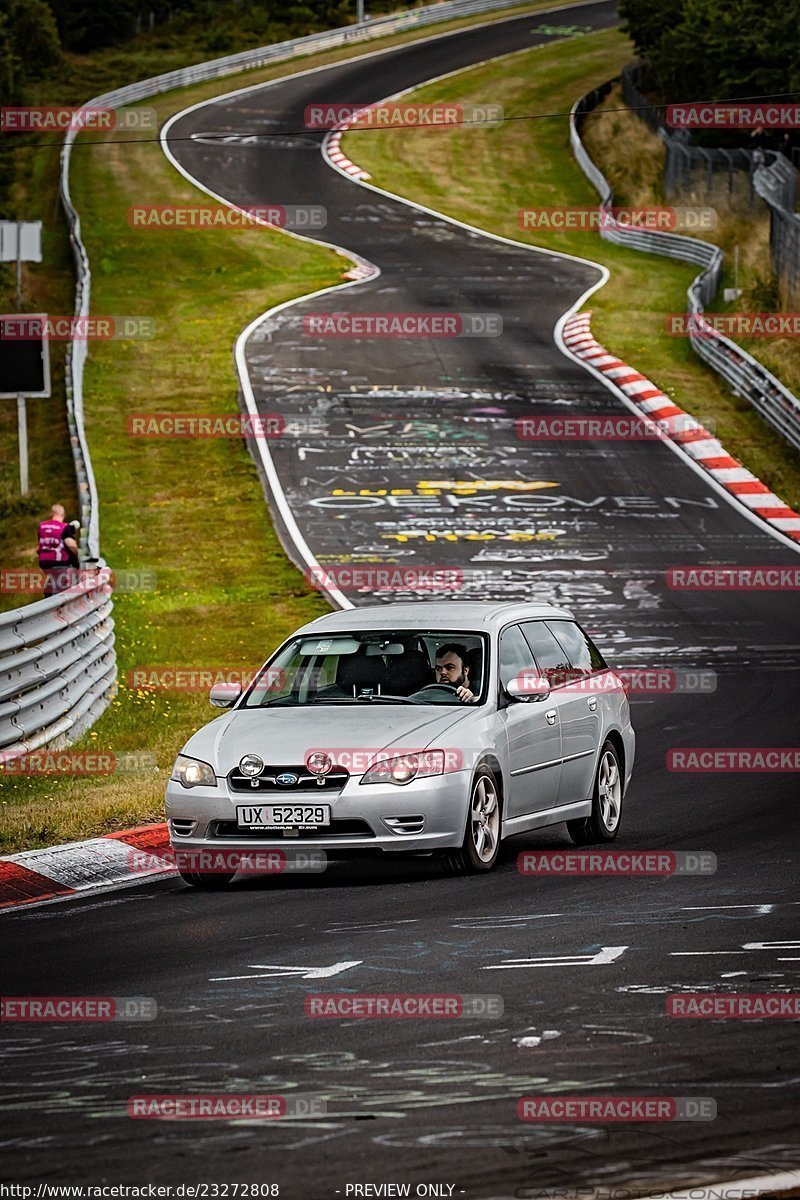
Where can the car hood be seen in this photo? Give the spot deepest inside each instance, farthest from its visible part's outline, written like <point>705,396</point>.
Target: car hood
<point>284,736</point>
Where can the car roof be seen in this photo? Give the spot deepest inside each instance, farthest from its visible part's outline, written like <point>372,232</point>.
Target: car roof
<point>436,614</point>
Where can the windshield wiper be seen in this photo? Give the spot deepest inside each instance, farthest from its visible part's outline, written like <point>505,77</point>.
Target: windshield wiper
<point>283,703</point>
<point>382,699</point>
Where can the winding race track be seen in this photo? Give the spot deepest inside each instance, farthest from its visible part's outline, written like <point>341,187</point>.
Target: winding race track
<point>583,965</point>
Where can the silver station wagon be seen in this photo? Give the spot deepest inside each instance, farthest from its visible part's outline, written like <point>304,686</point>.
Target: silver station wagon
<point>438,727</point>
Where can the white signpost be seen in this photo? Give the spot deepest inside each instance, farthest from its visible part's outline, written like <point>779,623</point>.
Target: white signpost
<point>28,373</point>
<point>20,241</point>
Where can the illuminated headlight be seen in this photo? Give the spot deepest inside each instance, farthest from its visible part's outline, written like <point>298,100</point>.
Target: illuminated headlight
<point>405,767</point>
<point>251,765</point>
<point>191,772</point>
<point>319,763</point>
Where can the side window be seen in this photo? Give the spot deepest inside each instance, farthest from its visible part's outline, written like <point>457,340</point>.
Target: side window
<point>581,650</point>
<point>515,655</point>
<point>551,658</point>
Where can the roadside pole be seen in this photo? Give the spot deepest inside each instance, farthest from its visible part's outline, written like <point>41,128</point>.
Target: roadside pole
<point>22,431</point>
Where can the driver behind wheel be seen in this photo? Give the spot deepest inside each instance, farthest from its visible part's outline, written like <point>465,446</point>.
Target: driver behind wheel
<point>452,668</point>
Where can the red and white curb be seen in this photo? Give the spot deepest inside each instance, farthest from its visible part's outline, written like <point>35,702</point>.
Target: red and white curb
<point>331,147</point>
<point>362,270</point>
<point>693,438</point>
<point>59,871</point>
<point>334,151</point>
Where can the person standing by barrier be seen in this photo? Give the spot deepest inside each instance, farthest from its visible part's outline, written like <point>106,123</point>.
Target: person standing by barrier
<point>58,551</point>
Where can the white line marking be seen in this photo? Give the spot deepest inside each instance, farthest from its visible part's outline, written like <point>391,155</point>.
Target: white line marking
<point>700,953</point>
<point>607,954</point>
<point>762,908</point>
<point>745,948</point>
<point>278,972</point>
<point>771,945</point>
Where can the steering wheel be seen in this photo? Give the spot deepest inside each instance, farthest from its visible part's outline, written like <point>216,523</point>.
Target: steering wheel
<point>447,688</point>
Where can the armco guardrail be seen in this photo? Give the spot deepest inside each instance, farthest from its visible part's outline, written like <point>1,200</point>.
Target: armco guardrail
<point>769,174</point>
<point>747,377</point>
<point>57,666</point>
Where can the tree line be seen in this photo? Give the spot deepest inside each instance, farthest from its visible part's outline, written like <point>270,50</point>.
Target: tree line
<point>716,49</point>
<point>38,37</point>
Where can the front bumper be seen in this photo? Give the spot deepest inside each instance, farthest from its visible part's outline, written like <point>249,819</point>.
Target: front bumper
<point>438,802</point>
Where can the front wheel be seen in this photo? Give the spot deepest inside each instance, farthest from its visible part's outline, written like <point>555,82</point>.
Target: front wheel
<point>479,850</point>
<point>602,825</point>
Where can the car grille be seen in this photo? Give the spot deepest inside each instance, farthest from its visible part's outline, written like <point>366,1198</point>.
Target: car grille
<point>267,781</point>
<point>336,829</point>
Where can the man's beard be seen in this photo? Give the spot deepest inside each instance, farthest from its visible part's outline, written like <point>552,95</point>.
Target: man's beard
<point>456,683</point>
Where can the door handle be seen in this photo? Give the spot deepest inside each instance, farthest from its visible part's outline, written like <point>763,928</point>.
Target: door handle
<point>551,716</point>
<point>593,703</point>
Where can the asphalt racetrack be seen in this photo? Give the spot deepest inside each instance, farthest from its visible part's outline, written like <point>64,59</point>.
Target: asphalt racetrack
<point>583,965</point>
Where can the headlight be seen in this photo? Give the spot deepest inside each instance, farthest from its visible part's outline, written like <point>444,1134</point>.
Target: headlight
<point>191,772</point>
<point>405,767</point>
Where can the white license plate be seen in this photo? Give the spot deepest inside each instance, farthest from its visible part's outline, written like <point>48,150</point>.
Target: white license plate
<point>282,816</point>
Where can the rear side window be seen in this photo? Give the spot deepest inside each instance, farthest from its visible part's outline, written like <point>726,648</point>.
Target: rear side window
<point>551,658</point>
<point>581,651</point>
<point>515,655</point>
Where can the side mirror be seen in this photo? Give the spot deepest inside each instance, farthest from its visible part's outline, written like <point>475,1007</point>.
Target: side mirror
<point>225,695</point>
<point>528,685</point>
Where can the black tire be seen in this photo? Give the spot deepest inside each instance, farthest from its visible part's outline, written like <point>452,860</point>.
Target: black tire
<point>481,845</point>
<point>206,880</point>
<point>605,820</point>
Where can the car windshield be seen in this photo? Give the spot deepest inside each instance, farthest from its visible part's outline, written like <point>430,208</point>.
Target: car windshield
<point>375,667</point>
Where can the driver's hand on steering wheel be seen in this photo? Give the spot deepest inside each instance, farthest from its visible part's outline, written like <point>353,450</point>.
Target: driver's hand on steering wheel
<point>465,695</point>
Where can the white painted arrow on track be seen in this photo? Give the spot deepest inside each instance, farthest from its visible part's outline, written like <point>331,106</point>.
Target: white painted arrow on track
<point>746,947</point>
<point>606,954</point>
<point>274,971</point>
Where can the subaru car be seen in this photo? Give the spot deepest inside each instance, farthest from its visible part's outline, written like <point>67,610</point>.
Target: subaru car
<point>416,728</point>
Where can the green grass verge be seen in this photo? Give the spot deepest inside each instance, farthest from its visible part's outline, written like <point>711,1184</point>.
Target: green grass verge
<point>486,175</point>
<point>192,512</point>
